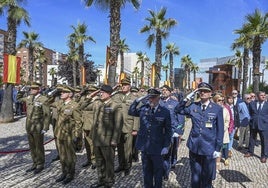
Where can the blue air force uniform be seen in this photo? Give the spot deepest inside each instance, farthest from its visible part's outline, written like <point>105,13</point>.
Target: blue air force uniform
<point>205,139</point>
<point>154,134</point>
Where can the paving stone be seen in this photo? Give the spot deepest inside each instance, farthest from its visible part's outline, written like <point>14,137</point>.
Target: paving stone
<point>242,172</point>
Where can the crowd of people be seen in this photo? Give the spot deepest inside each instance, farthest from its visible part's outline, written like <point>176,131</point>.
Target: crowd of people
<point>139,124</point>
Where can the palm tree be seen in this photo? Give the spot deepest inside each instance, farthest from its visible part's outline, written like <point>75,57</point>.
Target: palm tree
<point>114,7</point>
<point>40,60</point>
<point>165,69</point>
<point>237,62</point>
<point>80,37</point>
<point>142,58</point>
<point>245,42</point>
<point>136,73</point>
<point>123,48</point>
<point>73,58</point>
<point>15,14</point>
<point>186,63</point>
<point>158,29</point>
<point>171,51</point>
<point>194,69</point>
<point>257,29</point>
<point>52,72</point>
<point>30,41</point>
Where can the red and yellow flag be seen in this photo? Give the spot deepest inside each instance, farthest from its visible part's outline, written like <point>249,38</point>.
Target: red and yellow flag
<point>11,73</point>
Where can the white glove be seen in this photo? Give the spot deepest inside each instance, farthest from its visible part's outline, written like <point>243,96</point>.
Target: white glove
<point>190,95</point>
<point>216,154</point>
<point>141,98</point>
<point>43,132</point>
<point>175,135</point>
<point>164,151</point>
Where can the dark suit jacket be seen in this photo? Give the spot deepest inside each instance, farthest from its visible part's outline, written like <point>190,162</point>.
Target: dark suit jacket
<point>258,120</point>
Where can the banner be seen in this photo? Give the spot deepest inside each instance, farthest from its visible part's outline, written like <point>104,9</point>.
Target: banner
<point>153,74</point>
<point>107,65</point>
<point>11,72</point>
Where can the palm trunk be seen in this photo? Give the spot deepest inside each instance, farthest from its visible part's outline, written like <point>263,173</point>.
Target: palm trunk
<point>74,74</point>
<point>115,27</point>
<point>171,75</point>
<point>142,73</point>
<point>122,63</point>
<point>31,65</point>
<point>245,70</point>
<point>81,63</point>
<point>256,64</point>
<point>6,114</point>
<point>158,57</point>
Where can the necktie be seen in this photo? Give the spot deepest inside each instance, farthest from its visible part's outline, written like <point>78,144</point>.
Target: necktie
<point>203,107</point>
<point>259,108</point>
<point>152,110</point>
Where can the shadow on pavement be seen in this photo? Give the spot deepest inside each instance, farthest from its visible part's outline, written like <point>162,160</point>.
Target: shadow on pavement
<point>234,176</point>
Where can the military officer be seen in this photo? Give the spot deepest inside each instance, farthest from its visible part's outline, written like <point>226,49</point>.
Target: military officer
<point>154,136</point>
<point>177,124</point>
<point>87,109</point>
<point>130,125</point>
<point>206,136</point>
<point>67,130</point>
<point>37,123</point>
<point>105,133</point>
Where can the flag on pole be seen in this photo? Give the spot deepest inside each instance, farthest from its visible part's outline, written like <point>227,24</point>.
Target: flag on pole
<point>107,64</point>
<point>11,72</point>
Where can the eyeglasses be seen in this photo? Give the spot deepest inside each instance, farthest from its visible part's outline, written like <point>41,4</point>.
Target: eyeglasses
<point>252,96</point>
<point>234,93</point>
<point>220,100</point>
<point>248,98</point>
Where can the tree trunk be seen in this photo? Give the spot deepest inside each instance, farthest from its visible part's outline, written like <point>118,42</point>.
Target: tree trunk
<point>7,114</point>
<point>115,27</point>
<point>122,63</point>
<point>158,57</point>
<point>171,70</point>
<point>74,74</point>
<point>142,73</point>
<point>256,64</point>
<point>245,71</point>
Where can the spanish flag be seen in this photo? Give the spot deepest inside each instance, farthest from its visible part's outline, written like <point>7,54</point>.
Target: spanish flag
<point>11,72</point>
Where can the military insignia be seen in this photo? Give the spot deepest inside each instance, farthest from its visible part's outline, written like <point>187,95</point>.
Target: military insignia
<point>195,110</point>
<point>37,104</point>
<point>210,106</point>
<point>158,110</point>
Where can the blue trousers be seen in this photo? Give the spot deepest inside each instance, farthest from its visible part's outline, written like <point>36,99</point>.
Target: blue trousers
<point>152,170</point>
<point>203,169</point>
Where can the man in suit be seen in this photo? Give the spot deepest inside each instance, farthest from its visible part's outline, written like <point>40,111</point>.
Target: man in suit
<point>206,136</point>
<point>154,136</point>
<point>258,111</point>
<point>37,123</point>
<point>105,134</point>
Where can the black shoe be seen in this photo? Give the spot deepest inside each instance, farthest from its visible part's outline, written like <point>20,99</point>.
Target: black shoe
<point>93,166</point>
<point>56,158</point>
<point>31,169</point>
<point>97,185</point>
<point>61,178</point>
<point>38,170</point>
<point>119,169</point>
<point>67,180</point>
<point>86,164</point>
<point>127,172</point>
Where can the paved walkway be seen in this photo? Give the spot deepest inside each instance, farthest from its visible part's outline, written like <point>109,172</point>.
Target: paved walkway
<point>242,172</point>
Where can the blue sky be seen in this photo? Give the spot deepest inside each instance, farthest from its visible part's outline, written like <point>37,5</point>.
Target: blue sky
<point>205,27</point>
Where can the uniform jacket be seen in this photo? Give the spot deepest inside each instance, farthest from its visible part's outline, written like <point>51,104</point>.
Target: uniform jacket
<point>155,129</point>
<point>69,121</point>
<point>105,127</point>
<point>87,112</point>
<point>259,120</point>
<point>38,113</point>
<point>206,135</point>
<point>177,120</point>
<point>130,123</point>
